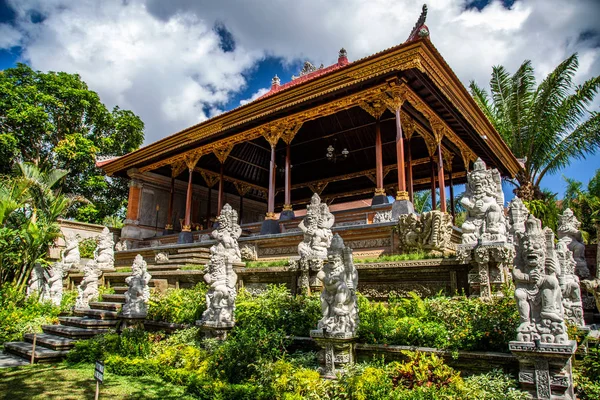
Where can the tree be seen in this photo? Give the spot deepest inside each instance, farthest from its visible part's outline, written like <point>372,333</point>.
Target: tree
<point>54,121</point>
<point>548,126</point>
<point>30,203</point>
<point>585,203</point>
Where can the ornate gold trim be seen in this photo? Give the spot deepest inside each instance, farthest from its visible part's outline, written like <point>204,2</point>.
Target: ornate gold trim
<point>169,227</point>
<point>222,152</point>
<point>270,215</point>
<point>288,207</point>
<point>186,228</point>
<point>379,191</point>
<point>402,195</point>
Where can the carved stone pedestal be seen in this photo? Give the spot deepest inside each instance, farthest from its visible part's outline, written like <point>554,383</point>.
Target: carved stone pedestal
<point>306,270</point>
<point>401,207</point>
<point>131,322</point>
<point>379,199</point>
<point>337,351</point>
<point>214,330</point>
<point>185,237</point>
<point>286,214</point>
<point>269,227</point>
<point>489,261</point>
<point>545,369</point>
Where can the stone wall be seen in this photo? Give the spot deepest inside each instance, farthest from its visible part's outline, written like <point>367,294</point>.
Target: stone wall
<point>81,230</point>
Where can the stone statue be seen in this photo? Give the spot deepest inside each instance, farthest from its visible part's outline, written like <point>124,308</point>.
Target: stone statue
<point>316,227</point>
<point>70,255</point>
<point>248,252</point>
<point>88,288</point>
<point>338,299</point>
<point>569,233</point>
<point>538,292</point>
<point>430,231</point>
<point>220,299</point>
<point>484,202</point>
<point>161,257</point>
<point>382,216</point>
<point>121,245</point>
<point>104,254</point>
<point>138,293</point>
<point>517,215</point>
<point>569,285</point>
<point>227,233</point>
<point>38,283</point>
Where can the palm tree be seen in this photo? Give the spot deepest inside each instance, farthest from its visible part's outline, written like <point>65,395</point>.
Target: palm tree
<point>547,126</point>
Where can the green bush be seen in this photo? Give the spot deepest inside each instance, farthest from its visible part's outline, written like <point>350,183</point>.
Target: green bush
<point>183,306</point>
<point>587,374</point>
<point>130,343</point>
<point>87,247</point>
<point>19,314</point>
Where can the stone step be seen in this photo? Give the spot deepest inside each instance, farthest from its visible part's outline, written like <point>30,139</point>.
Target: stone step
<point>114,298</point>
<point>204,256</point>
<point>175,267</point>
<point>72,332</point>
<point>42,354</point>
<point>106,305</point>
<point>98,314</point>
<point>204,250</point>
<point>50,341</point>
<point>185,260</point>
<point>88,323</point>
<point>120,289</point>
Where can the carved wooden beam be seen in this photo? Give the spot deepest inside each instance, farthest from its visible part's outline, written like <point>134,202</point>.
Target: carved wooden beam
<point>212,178</point>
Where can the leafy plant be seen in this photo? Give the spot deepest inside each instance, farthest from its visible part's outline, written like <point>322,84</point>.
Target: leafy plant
<point>87,247</point>
<point>183,306</point>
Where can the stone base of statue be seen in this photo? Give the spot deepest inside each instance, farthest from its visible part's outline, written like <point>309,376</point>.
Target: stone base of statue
<point>215,330</point>
<point>401,207</point>
<point>337,351</point>
<point>269,227</point>
<point>545,369</point>
<point>490,261</point>
<point>131,321</point>
<point>185,237</point>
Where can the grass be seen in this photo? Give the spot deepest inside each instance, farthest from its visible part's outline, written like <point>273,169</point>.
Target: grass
<point>420,255</point>
<point>266,264</point>
<point>42,381</point>
<point>193,267</point>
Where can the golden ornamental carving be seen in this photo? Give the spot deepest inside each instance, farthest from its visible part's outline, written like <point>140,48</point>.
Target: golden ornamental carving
<point>438,128</point>
<point>270,215</point>
<point>169,227</point>
<point>211,178</point>
<point>375,108</point>
<point>191,158</point>
<point>402,195</point>
<point>448,156</point>
<point>317,187</point>
<point>408,125</point>
<point>379,191</point>
<point>288,207</point>
<point>186,228</point>
<point>223,152</point>
<point>177,168</point>
<point>290,133</point>
<point>242,188</point>
<point>272,133</point>
<point>396,96</point>
<point>431,144</point>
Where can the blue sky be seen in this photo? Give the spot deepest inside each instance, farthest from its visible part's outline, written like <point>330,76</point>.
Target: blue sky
<point>177,63</point>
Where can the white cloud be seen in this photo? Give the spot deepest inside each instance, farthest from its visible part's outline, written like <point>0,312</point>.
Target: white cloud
<point>163,60</point>
<point>255,96</point>
<point>9,36</point>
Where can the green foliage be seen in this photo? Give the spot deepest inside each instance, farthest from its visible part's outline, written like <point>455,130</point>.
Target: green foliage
<point>545,210</point>
<point>585,203</point>
<point>266,264</point>
<point>87,247</point>
<point>548,125</point>
<point>422,369</point>
<point>130,343</point>
<point>29,208</point>
<point>19,315</point>
<point>587,374</point>
<point>417,255</point>
<point>453,323</point>
<point>183,306</point>
<point>54,121</point>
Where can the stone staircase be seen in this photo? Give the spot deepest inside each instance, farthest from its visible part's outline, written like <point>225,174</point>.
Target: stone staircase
<point>56,340</point>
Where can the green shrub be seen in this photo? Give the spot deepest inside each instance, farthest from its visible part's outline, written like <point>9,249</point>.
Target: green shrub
<point>135,366</point>
<point>87,247</point>
<point>96,348</point>
<point>423,369</point>
<point>494,385</point>
<point>183,306</point>
<point>587,374</point>
<point>19,314</point>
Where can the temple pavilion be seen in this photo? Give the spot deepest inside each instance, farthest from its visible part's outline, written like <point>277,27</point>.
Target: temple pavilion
<point>359,134</point>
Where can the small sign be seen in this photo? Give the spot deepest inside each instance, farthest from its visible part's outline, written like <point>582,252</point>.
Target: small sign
<point>99,371</point>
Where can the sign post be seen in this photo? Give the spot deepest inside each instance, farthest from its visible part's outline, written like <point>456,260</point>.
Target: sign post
<point>99,375</point>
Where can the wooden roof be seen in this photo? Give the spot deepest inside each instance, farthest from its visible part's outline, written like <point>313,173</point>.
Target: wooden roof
<point>326,109</point>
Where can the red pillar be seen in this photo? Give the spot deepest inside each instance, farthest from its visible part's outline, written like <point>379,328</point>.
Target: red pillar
<point>433,199</point>
<point>187,225</point>
<point>378,160</point>
<point>220,197</point>
<point>287,206</point>
<point>208,208</point>
<point>441,183</point>
<point>409,171</point>
<point>452,210</point>
<point>402,194</point>
<point>241,209</point>
<point>271,197</point>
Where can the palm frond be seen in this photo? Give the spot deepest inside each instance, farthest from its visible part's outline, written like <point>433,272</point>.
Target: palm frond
<point>523,84</point>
